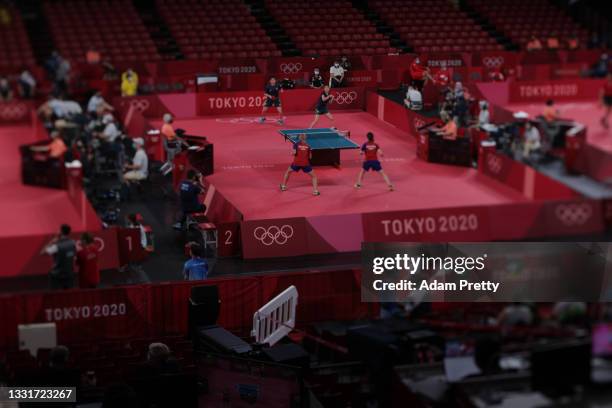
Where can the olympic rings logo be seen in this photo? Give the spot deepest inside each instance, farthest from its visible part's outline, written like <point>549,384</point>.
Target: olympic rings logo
<point>273,234</point>
<point>13,111</point>
<point>494,163</point>
<point>573,215</point>
<point>493,62</point>
<point>140,105</point>
<point>345,98</point>
<point>290,68</point>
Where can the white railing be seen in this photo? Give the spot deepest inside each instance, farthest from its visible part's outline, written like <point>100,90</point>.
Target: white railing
<point>276,318</point>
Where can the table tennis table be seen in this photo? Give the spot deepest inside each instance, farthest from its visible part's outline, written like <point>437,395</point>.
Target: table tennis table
<point>325,143</point>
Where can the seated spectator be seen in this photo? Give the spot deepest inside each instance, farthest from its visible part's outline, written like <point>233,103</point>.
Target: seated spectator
<point>139,168</point>
<point>317,80</point>
<point>461,111</point>
<point>450,128</point>
<point>573,43</point>
<point>484,117</point>
<point>532,140</point>
<point>87,263</point>
<point>345,63</point>
<point>414,99</point>
<point>550,113</point>
<point>534,44</point>
<point>129,83</point>
<point>418,73</point>
<point>92,56</point>
<point>195,268</point>
<point>336,75</point>
<point>27,84</point>
<point>442,76</point>
<point>6,93</point>
<point>552,42</point>
<point>111,130</point>
<point>56,148</point>
<point>160,361</point>
<point>97,105</point>
<point>600,68</point>
<point>59,108</point>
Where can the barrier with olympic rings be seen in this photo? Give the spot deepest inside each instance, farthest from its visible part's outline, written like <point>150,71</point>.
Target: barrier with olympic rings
<point>292,101</point>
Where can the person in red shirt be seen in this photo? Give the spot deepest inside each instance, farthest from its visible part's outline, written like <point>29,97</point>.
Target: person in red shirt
<point>606,100</point>
<point>87,263</point>
<point>371,151</point>
<point>301,161</point>
<point>418,73</point>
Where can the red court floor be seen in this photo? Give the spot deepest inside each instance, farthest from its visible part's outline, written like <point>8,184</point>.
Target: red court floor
<point>250,160</point>
<point>28,210</point>
<point>588,113</point>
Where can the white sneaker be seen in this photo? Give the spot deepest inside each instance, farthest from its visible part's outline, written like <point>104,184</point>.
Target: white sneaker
<point>316,193</point>
<point>283,187</point>
<point>357,185</point>
<point>262,120</point>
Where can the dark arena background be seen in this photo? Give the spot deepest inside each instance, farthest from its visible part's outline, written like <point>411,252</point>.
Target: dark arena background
<point>188,189</point>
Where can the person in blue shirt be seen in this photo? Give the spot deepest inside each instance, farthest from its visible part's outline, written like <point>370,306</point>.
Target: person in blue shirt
<point>189,192</point>
<point>195,268</point>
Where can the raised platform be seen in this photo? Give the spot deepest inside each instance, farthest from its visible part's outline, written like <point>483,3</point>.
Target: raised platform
<point>596,161</point>
<point>431,202</point>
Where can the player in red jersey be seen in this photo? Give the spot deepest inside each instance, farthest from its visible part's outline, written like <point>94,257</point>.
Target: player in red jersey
<point>371,151</point>
<point>301,161</point>
<point>606,100</point>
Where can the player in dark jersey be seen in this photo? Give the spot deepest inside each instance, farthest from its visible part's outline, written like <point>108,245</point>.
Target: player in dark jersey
<point>371,151</point>
<point>321,108</point>
<point>606,100</point>
<point>301,161</point>
<point>272,98</point>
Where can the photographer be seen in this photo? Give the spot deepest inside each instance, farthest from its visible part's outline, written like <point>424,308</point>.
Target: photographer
<point>317,80</point>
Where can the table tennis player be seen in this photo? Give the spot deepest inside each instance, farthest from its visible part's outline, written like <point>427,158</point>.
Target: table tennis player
<point>272,98</point>
<point>321,108</point>
<point>370,150</point>
<point>301,162</point>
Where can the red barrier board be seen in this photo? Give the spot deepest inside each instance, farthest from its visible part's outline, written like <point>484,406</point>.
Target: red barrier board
<point>296,100</point>
<point>90,314</point>
<point>16,112</point>
<point>274,238</point>
<point>559,90</point>
<point>160,310</point>
<point>441,224</point>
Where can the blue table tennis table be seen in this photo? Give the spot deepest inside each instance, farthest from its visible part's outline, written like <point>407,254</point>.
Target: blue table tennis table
<point>325,143</point>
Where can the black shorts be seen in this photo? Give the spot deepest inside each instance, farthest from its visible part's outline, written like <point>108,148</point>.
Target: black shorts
<point>321,110</point>
<point>269,102</point>
<point>607,100</point>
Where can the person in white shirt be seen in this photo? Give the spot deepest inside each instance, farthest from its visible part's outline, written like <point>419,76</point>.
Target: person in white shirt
<point>97,104</point>
<point>484,117</point>
<point>139,169</point>
<point>27,84</point>
<point>336,75</point>
<point>111,131</point>
<point>532,140</point>
<point>414,99</point>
